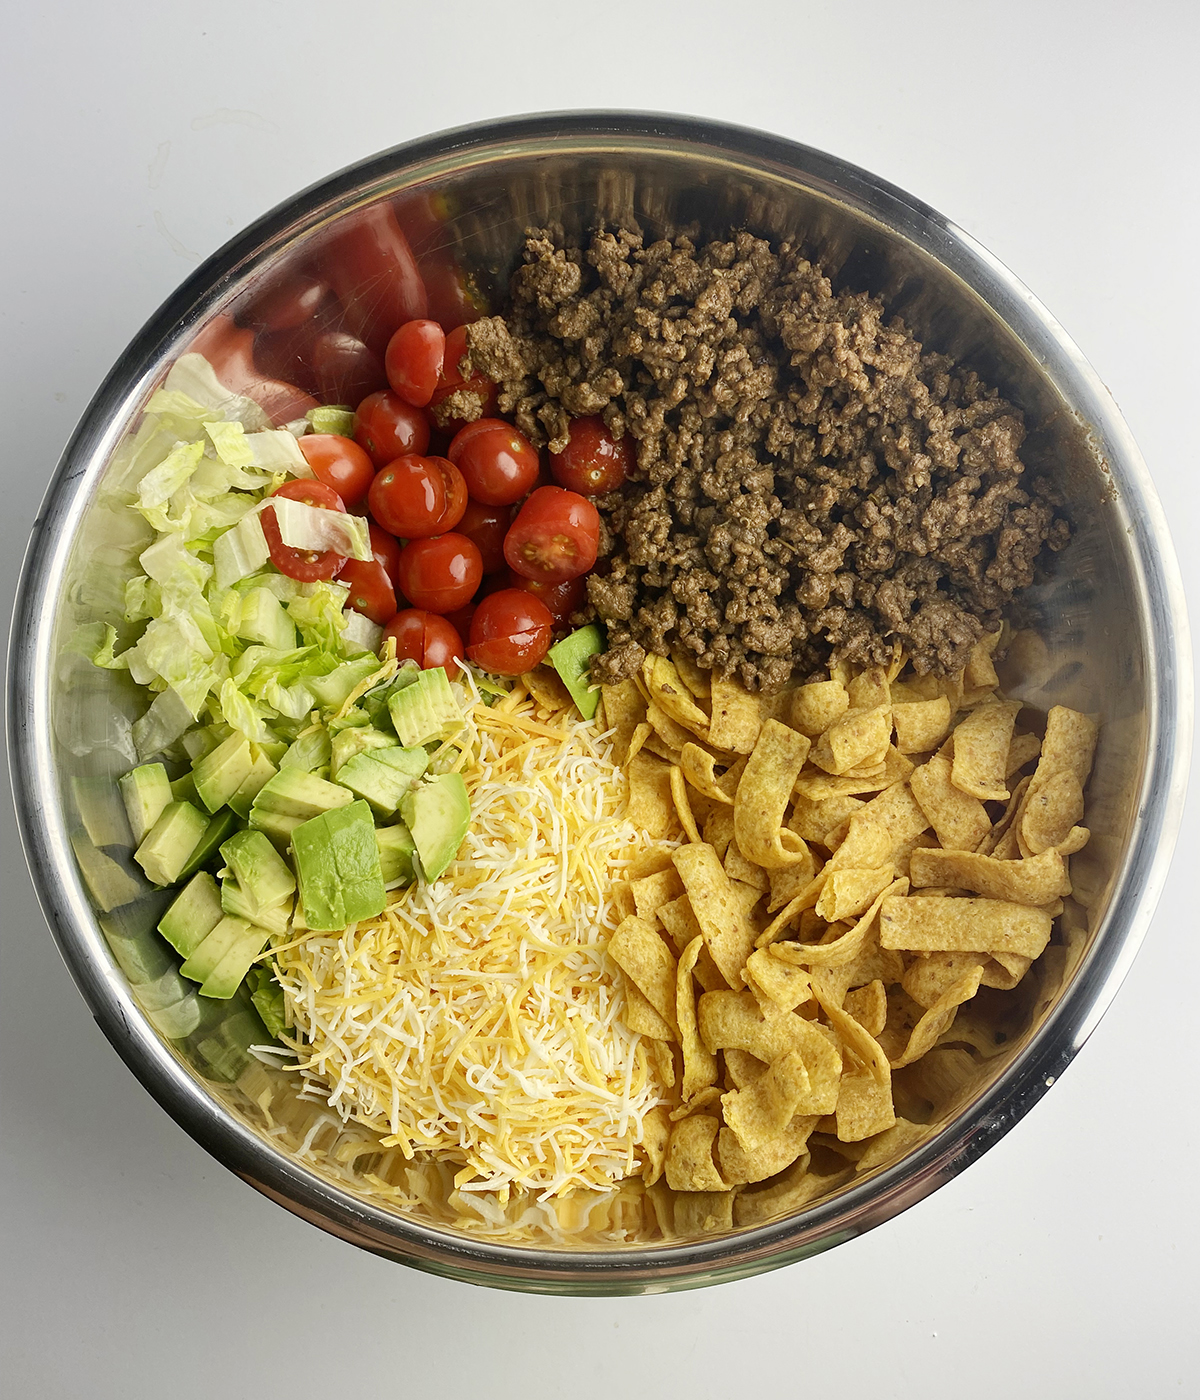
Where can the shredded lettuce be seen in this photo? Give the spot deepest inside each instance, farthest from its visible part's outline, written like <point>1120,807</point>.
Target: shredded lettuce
<point>337,420</point>
<point>314,528</point>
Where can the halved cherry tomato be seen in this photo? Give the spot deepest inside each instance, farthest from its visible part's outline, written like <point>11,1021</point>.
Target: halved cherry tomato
<point>500,464</point>
<point>593,461</point>
<point>370,266</point>
<point>340,463</point>
<point>305,565</point>
<point>440,574</point>
<point>554,537</point>
<point>510,632</point>
<point>386,549</point>
<point>451,380</point>
<point>425,638</point>
<point>346,369</point>
<point>389,428</point>
<point>414,360</point>
<point>487,526</point>
<point>415,497</point>
<point>561,599</point>
<point>371,591</point>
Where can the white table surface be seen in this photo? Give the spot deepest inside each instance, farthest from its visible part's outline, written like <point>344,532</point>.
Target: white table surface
<point>137,138</point>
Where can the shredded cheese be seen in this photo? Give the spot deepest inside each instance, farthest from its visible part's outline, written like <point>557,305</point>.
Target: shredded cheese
<point>479,1018</point>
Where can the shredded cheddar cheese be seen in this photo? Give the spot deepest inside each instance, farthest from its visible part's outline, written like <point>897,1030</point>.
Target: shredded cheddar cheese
<point>479,1017</point>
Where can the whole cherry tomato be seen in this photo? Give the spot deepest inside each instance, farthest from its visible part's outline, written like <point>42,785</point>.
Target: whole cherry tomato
<point>593,461</point>
<point>389,428</point>
<point>340,463</point>
<point>440,574</point>
<point>305,565</point>
<point>451,380</point>
<point>346,370</point>
<point>371,591</point>
<point>561,599</point>
<point>386,549</point>
<point>427,639</point>
<point>370,266</point>
<point>554,537</point>
<point>460,619</point>
<point>500,464</point>
<point>510,632</point>
<point>415,497</point>
<point>414,360</point>
<point>487,526</point>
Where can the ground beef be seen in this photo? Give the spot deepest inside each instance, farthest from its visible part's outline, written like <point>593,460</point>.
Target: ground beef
<point>810,485</point>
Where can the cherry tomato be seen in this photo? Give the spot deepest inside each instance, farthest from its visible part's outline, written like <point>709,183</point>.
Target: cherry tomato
<point>451,380</point>
<point>340,463</point>
<point>345,369</point>
<point>415,497</point>
<point>414,360</point>
<point>510,632</point>
<point>427,639</point>
<point>500,464</point>
<point>440,574</point>
<point>389,428</point>
<point>371,591</point>
<point>286,305</point>
<point>592,462</point>
<point>561,599</point>
<point>386,549</point>
<point>487,526</point>
<point>460,619</point>
<point>554,537</point>
<point>305,565</point>
<point>370,266</point>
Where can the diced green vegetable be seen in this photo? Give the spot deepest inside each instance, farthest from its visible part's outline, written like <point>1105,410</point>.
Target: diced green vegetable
<point>261,875</point>
<point>425,710</point>
<point>168,845</point>
<point>571,658</point>
<point>396,850</point>
<point>337,860</point>
<point>222,825</point>
<point>145,790</point>
<point>196,911</point>
<point>208,953</point>
<point>219,774</point>
<point>438,813</point>
<point>234,900</point>
<point>382,776</point>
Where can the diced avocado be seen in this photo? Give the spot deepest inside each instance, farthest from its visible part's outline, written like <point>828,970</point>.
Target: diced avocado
<point>383,776</point>
<point>310,752</point>
<point>261,874</point>
<point>267,997</point>
<point>227,976</point>
<point>145,791</point>
<point>345,744</point>
<point>234,900</point>
<point>263,620</point>
<point>438,814</point>
<point>425,710</point>
<point>197,742</point>
<point>102,811</point>
<point>337,860</point>
<point>168,845</point>
<point>209,951</point>
<point>194,914</point>
<point>331,691</point>
<point>396,848</point>
<point>375,702</point>
<point>294,793</point>
<point>570,659</point>
<point>184,790</point>
<point>273,748</point>
<point>222,826</point>
<point>276,826</point>
<point>256,779</point>
<point>219,774</point>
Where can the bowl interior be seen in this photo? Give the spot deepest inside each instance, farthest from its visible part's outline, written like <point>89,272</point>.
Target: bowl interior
<point>465,204</point>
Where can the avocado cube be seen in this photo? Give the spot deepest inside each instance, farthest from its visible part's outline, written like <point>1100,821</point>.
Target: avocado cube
<point>438,814</point>
<point>352,740</point>
<point>337,859</point>
<point>168,845</point>
<point>571,658</point>
<point>184,790</point>
<point>145,792</point>
<point>261,875</point>
<point>109,883</point>
<point>295,793</point>
<point>383,776</point>
<point>425,710</point>
<point>208,953</point>
<point>234,900</point>
<point>267,997</point>
<point>192,917</point>
<point>197,742</point>
<point>221,826</point>
<point>261,772</point>
<point>396,850</point>
<point>229,973</point>
<point>219,774</point>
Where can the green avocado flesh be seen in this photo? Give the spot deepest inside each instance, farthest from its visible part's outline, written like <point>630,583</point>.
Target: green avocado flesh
<point>438,814</point>
<point>570,659</point>
<point>197,910</point>
<point>337,860</point>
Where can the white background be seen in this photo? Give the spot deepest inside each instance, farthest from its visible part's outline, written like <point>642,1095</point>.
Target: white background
<point>137,138</point>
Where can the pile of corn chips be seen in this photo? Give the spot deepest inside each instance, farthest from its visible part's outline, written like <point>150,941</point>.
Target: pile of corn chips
<point>840,869</point>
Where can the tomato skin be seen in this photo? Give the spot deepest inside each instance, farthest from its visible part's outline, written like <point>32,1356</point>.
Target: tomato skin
<point>451,380</point>
<point>302,564</point>
<point>561,599</point>
<point>371,591</point>
<point>414,361</point>
<point>416,497</point>
<point>555,536</point>
<point>425,638</point>
<point>386,549</point>
<point>460,619</point>
<point>388,428</point>
<point>500,464</point>
<point>487,526</point>
<point>593,461</point>
<point>440,574</point>
<point>510,632</point>
<point>340,463</point>
<point>370,266</point>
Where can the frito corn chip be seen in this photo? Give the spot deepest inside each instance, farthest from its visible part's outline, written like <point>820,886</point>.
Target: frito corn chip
<point>697,1103</point>
<point>813,708</point>
<point>703,1213</point>
<point>864,1105</point>
<point>1037,880</point>
<point>671,694</point>
<point>848,946</point>
<point>883,831</point>
<point>795,1188</point>
<point>737,867</point>
<point>624,710</point>
<point>641,1017</point>
<point>690,1165</point>
<point>922,924</point>
<point>699,768</point>
<point>814,820</point>
<point>642,955</point>
<point>683,806</point>
<point>929,975</point>
<point>736,716</point>
<point>661,1054</point>
<point>699,1063</point>
<point>739,1167</point>
<point>727,932</point>
<point>1051,809</point>
<point>741,1068</point>
<point>651,892</point>
<point>818,787</point>
<point>921,725</point>
<point>1023,749</point>
<point>763,794</point>
<point>892,1143</point>
<point>859,737</point>
<point>697,681</point>
<point>1002,833</point>
<point>847,893</point>
<point>718,830</point>
<point>642,733</point>
<point>939,1018</point>
<point>1004,971</point>
<point>868,1006</point>
<point>980,673</point>
<point>981,745</point>
<point>651,861</point>
<point>960,820</point>
<point>546,688</point>
<point>656,1134</point>
<point>777,981</point>
<point>787,883</point>
<point>870,689</point>
<point>651,807</point>
<point>672,735</point>
<point>677,918</point>
<point>762,1110</point>
<point>806,899</point>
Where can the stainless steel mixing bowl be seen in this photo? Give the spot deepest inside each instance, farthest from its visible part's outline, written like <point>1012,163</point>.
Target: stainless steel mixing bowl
<point>1111,617</point>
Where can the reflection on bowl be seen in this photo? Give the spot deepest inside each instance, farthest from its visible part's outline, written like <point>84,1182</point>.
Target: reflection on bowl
<point>297,310</point>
